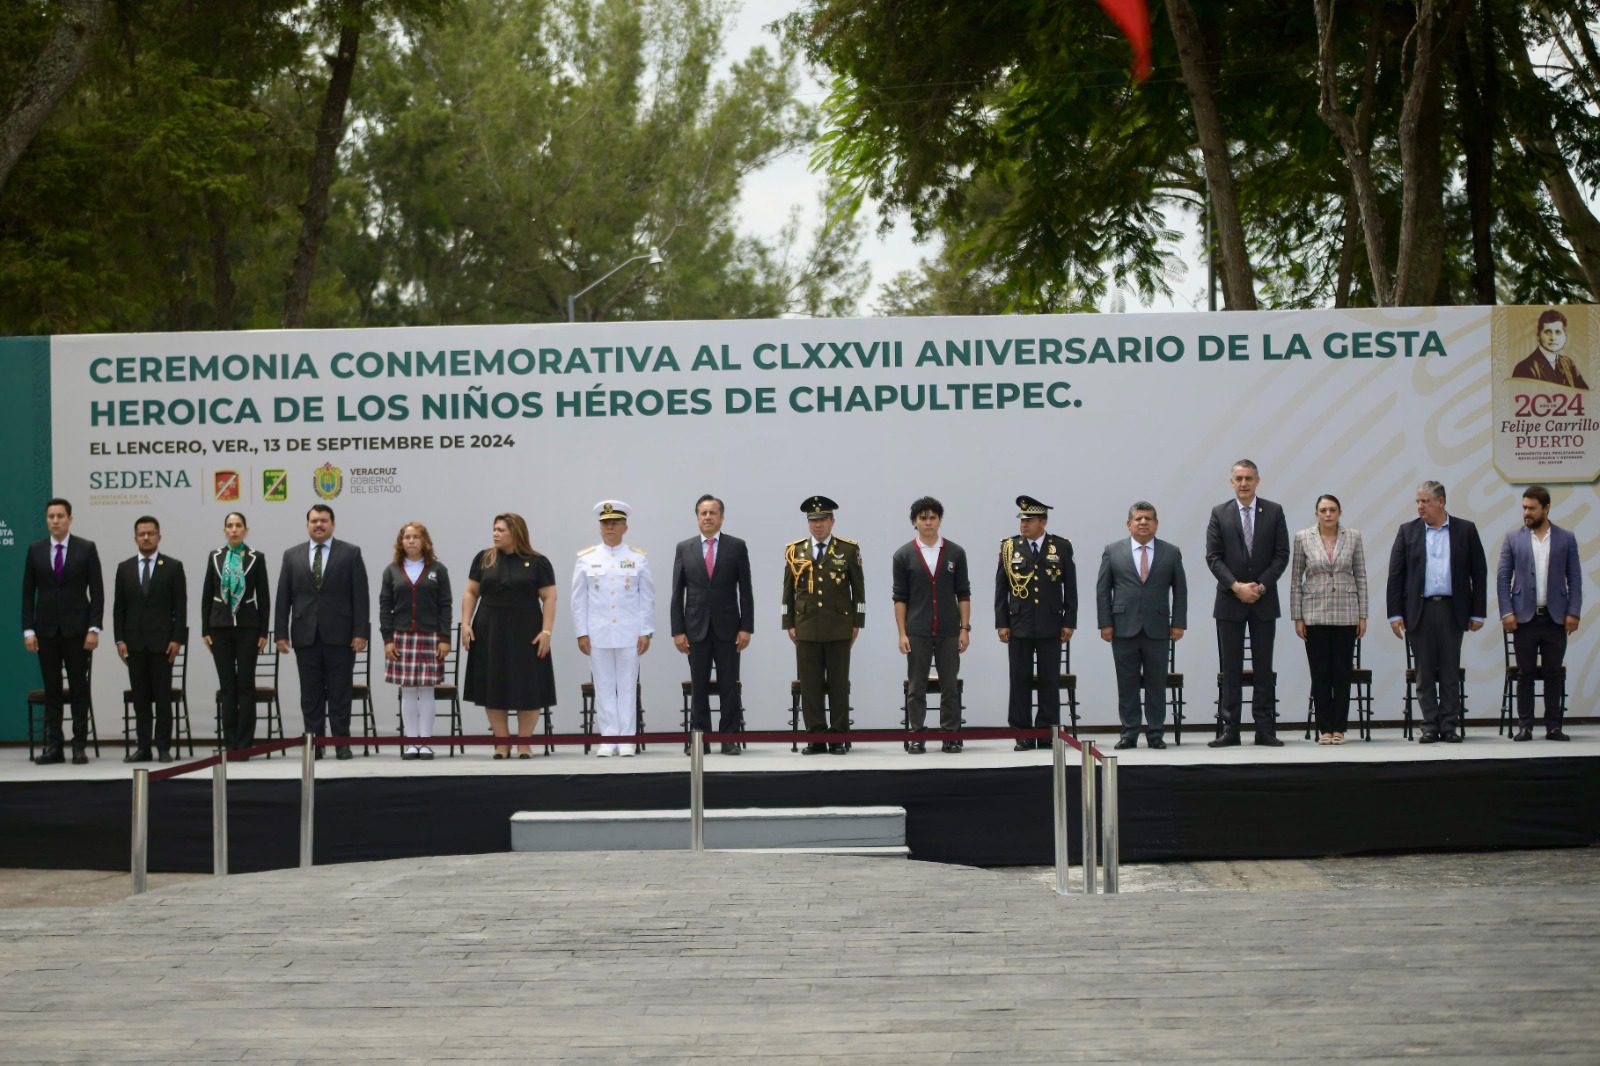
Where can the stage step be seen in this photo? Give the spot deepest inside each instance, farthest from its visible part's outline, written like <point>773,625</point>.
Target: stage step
<point>835,830</point>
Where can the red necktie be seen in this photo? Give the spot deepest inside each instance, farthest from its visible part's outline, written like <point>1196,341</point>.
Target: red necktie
<point>711,555</point>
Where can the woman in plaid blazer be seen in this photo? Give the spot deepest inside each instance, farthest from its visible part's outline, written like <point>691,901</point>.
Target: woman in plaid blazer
<point>1328,602</point>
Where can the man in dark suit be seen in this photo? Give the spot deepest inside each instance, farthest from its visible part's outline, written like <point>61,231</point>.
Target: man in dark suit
<point>1438,590</point>
<point>824,608</point>
<point>63,606</point>
<point>1548,362</point>
<point>323,607</point>
<point>150,619</point>
<point>1141,606</point>
<point>1540,589</point>
<point>1247,549</point>
<point>713,616</point>
<point>1035,612</point>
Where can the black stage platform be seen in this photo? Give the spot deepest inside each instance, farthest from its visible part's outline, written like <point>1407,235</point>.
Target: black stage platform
<point>988,806</point>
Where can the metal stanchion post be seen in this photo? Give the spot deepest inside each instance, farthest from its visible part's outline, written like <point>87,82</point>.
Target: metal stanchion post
<point>308,799</point>
<point>1058,804</point>
<point>1089,860</point>
<point>141,829</point>
<point>219,816</point>
<point>697,792</point>
<point>1108,822</point>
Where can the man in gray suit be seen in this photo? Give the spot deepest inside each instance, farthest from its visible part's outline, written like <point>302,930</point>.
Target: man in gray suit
<point>323,610</point>
<point>1141,604</point>
<point>1247,549</point>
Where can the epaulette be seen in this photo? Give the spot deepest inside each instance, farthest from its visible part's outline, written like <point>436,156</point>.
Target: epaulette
<point>798,543</point>
<point>641,551</point>
<point>587,550</point>
<point>847,540</point>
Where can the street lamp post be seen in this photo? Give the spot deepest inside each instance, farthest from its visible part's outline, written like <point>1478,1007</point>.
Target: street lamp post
<point>653,255</point>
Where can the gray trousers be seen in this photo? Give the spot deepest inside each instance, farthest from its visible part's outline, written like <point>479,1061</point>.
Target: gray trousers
<point>944,654</point>
<point>1436,643</point>
<point>1141,663</point>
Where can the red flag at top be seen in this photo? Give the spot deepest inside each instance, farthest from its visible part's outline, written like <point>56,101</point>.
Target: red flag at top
<point>1133,19</point>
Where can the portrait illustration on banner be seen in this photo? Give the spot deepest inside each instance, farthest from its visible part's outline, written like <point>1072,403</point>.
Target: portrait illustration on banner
<point>1543,357</point>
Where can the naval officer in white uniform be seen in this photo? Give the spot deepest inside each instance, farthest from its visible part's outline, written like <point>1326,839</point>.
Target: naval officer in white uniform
<point>613,613</point>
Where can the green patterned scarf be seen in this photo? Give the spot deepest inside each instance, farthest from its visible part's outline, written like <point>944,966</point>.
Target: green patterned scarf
<point>233,576</point>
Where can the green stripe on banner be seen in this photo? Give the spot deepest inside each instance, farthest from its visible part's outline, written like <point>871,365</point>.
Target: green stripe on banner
<point>25,442</point>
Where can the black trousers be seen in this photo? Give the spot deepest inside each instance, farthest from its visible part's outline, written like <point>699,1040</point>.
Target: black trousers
<point>150,678</point>
<point>54,652</point>
<point>823,667</point>
<point>1264,686</point>
<point>1029,656</point>
<point>944,654</point>
<point>234,652</point>
<point>1141,663</point>
<point>1540,646</point>
<point>1436,643</point>
<point>325,680</point>
<point>1329,652</point>
<point>724,656</point>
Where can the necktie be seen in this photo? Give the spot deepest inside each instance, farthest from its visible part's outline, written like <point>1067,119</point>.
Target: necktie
<point>1144,562</point>
<point>711,555</point>
<point>144,578</point>
<point>316,568</point>
<point>1249,528</point>
<point>1033,549</point>
<point>822,549</point>
<point>61,561</point>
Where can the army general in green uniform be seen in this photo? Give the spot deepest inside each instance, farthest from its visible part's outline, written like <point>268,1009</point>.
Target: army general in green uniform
<point>824,595</point>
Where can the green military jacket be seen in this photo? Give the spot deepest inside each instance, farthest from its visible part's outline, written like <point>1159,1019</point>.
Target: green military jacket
<point>823,601</point>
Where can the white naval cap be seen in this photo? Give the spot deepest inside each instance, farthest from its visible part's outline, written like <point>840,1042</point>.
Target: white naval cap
<point>610,509</point>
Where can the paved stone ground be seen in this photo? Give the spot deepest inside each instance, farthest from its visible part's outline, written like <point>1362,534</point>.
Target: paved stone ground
<point>675,957</point>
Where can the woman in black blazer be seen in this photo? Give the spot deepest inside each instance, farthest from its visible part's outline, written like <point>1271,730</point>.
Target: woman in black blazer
<point>234,609</point>
<point>414,618</point>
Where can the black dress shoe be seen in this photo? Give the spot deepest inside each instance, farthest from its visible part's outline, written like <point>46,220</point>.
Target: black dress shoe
<point>1452,738</point>
<point>80,759</point>
<point>814,749</point>
<point>49,758</point>
<point>1125,743</point>
<point>730,749</point>
<point>142,755</point>
<point>344,752</point>
<point>164,755</point>
<point>1525,733</point>
<point>1226,740</point>
<point>1155,742</point>
<point>1428,738</point>
<point>1023,745</point>
<point>319,751</point>
<point>838,749</point>
<point>916,747</point>
<point>951,747</point>
<point>1267,740</point>
<point>1556,734</point>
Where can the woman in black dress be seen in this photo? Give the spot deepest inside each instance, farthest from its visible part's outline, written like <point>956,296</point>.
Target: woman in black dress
<point>506,616</point>
<point>234,612</point>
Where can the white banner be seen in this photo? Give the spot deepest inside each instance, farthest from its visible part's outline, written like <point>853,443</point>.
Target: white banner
<point>449,426</point>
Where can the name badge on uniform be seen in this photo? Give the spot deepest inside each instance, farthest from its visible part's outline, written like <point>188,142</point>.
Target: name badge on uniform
<point>627,564</point>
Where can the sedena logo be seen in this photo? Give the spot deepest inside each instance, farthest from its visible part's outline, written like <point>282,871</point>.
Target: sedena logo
<point>274,485</point>
<point>100,480</point>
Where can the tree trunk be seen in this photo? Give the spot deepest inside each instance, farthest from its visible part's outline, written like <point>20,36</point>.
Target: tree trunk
<point>55,70</point>
<point>1538,139</point>
<point>1422,237</point>
<point>330,131</point>
<point>223,290</point>
<point>1352,134</point>
<point>1347,252</point>
<point>1238,282</point>
<point>1479,124</point>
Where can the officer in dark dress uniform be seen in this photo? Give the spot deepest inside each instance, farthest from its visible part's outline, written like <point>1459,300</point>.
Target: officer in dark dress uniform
<point>1035,610</point>
<point>824,596</point>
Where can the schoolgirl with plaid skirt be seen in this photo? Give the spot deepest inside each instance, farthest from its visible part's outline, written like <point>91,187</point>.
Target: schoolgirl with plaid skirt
<point>414,617</point>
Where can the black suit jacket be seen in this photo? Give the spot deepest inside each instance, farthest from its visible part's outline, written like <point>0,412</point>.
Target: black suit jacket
<point>71,607</point>
<point>1469,573</point>
<point>149,621</point>
<point>334,614</point>
<point>255,606</point>
<point>1230,561</point>
<point>718,607</point>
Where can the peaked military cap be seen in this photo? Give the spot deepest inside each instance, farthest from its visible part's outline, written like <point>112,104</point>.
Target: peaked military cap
<point>1028,507</point>
<point>611,509</point>
<point>819,507</point>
